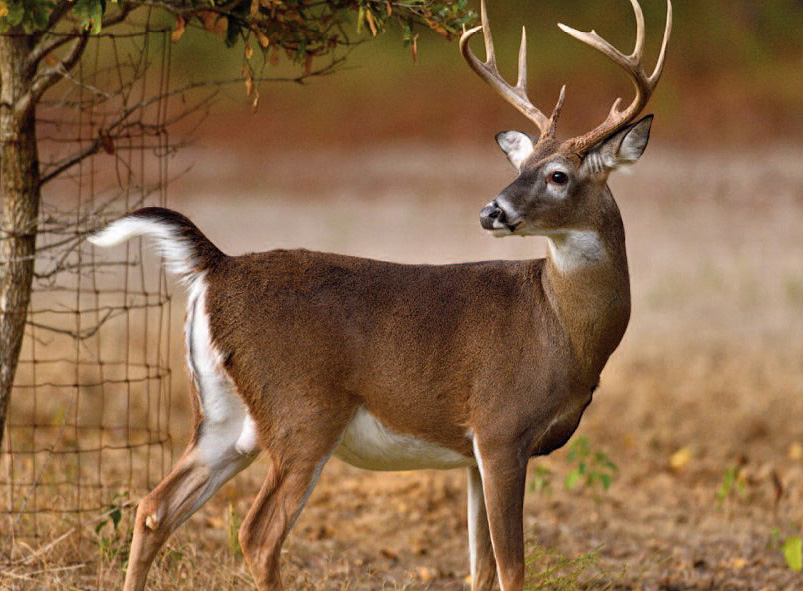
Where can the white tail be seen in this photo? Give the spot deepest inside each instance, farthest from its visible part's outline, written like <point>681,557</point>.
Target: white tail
<point>303,355</point>
<point>185,250</point>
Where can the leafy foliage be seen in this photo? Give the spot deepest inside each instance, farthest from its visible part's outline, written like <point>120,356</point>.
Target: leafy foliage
<point>541,480</point>
<point>590,467</point>
<point>302,28</point>
<point>26,15</point>
<point>731,482</point>
<point>112,542</point>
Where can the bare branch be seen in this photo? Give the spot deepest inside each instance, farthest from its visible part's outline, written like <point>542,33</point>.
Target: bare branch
<point>53,74</point>
<point>93,148</point>
<point>47,41</point>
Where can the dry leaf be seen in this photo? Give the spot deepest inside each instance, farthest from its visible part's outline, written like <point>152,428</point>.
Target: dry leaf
<point>414,48</point>
<point>248,51</point>
<point>371,24</point>
<point>425,574</point>
<point>263,39</point>
<point>106,142</point>
<point>680,458</point>
<point>739,563</point>
<point>181,25</point>
<point>795,451</point>
<point>213,22</point>
<point>249,84</point>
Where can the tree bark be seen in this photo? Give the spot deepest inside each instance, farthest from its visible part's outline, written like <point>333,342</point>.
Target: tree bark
<point>20,186</point>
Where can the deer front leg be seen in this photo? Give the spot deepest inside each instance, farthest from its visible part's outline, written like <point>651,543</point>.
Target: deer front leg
<point>503,472</point>
<point>483,564</point>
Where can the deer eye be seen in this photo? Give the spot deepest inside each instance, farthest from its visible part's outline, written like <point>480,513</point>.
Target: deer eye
<point>558,177</point>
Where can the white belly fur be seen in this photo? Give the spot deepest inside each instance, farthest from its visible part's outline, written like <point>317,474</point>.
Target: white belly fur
<point>367,443</point>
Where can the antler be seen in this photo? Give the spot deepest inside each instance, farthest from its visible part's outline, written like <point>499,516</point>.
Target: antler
<point>632,64</point>
<point>515,95</point>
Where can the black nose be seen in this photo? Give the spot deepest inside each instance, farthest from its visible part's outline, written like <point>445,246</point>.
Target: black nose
<point>489,213</point>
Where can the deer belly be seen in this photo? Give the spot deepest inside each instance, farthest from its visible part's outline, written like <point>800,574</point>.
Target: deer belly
<point>367,443</point>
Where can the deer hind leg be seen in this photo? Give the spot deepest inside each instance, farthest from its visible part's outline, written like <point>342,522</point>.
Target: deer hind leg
<point>225,442</point>
<point>483,565</point>
<point>193,480</point>
<point>298,457</point>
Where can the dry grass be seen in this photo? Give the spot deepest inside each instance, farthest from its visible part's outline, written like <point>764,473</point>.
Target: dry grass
<point>711,365</point>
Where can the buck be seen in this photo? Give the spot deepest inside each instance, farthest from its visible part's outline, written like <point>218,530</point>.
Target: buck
<point>304,355</point>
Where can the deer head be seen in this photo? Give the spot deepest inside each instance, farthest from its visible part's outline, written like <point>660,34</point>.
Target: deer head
<point>561,185</point>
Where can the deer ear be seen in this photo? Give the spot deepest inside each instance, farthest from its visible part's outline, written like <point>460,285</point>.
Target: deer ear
<point>517,145</point>
<point>622,148</point>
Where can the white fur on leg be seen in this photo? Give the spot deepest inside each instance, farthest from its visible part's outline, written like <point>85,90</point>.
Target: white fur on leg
<point>227,430</point>
<point>475,512</point>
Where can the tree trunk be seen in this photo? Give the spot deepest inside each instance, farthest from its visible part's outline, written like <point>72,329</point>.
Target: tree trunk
<point>19,183</point>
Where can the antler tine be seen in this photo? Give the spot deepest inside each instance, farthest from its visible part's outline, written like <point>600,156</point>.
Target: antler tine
<point>638,50</point>
<point>490,55</point>
<point>488,71</point>
<point>632,64</point>
<point>659,66</point>
<point>521,83</point>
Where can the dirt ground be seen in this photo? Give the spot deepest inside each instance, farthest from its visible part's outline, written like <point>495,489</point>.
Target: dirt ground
<point>707,384</point>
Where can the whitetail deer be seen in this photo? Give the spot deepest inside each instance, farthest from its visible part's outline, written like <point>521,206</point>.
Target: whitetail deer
<point>304,355</point>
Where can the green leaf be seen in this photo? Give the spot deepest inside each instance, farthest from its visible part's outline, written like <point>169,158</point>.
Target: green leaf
<point>573,478</point>
<point>16,12</point>
<point>793,553</point>
<point>90,13</point>
<point>116,516</point>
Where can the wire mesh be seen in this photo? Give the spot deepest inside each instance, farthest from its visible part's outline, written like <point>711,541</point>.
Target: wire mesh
<point>89,421</point>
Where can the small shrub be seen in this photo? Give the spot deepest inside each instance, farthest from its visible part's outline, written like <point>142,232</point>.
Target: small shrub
<point>731,483</point>
<point>590,468</point>
<point>541,480</point>
<point>113,543</point>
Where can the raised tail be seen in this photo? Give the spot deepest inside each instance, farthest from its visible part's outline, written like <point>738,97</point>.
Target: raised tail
<point>183,246</point>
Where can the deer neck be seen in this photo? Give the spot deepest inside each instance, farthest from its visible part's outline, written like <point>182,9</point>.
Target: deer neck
<point>587,283</point>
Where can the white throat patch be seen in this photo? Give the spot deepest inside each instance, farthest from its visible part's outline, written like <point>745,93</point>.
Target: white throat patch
<point>575,250</point>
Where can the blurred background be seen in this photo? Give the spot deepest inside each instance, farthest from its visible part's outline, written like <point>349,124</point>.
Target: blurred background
<point>733,78</point>
<point>700,410</point>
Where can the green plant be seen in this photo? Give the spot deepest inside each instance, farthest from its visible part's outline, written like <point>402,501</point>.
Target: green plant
<point>113,544</point>
<point>590,467</point>
<point>730,482</point>
<point>791,547</point>
<point>541,480</point>
<point>548,569</point>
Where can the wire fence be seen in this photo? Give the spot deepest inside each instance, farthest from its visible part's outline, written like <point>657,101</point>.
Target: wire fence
<point>89,423</point>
